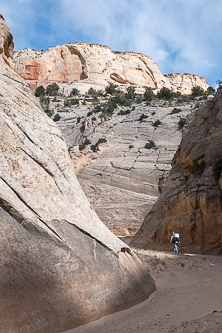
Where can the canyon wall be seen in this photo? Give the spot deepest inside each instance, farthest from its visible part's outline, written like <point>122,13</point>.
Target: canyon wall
<point>191,200</point>
<point>95,65</point>
<point>60,266</point>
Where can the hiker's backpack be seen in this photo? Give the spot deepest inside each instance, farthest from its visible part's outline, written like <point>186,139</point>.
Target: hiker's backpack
<point>176,238</point>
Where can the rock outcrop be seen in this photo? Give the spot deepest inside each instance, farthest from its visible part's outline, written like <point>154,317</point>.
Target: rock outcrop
<point>184,82</point>
<point>191,200</point>
<point>95,65</point>
<point>60,266</point>
<point>122,179</point>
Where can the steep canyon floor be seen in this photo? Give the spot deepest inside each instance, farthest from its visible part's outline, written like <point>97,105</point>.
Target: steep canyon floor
<point>187,299</point>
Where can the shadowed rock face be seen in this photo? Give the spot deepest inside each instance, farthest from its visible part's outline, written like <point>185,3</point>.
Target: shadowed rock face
<point>60,266</point>
<point>191,200</point>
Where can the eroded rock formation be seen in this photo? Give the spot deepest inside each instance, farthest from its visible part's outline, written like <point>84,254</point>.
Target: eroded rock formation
<point>93,64</point>
<point>191,200</point>
<point>60,266</point>
<point>122,179</point>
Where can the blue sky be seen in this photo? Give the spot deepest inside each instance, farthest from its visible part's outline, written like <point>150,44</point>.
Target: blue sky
<point>180,35</point>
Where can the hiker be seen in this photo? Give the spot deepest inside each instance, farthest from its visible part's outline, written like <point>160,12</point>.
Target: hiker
<point>175,239</point>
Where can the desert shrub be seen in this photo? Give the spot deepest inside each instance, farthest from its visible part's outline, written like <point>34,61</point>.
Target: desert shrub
<point>74,92</point>
<point>94,92</point>
<point>40,91</point>
<point>89,113</point>
<point>139,99</point>
<point>142,116</point>
<point>150,144</point>
<point>181,123</point>
<point>45,100</point>
<point>175,110</point>
<point>148,94</point>
<point>210,91</point>
<point>157,123</point>
<point>133,108</point>
<point>131,146</point>
<point>84,102</point>
<point>127,102</point>
<point>74,101</point>
<point>95,147</point>
<point>67,103</point>
<point>153,113</point>
<point>85,143</point>
<point>78,120</point>
<point>130,94</point>
<point>52,89</point>
<point>197,91</point>
<point>123,113</point>
<point>49,112</point>
<point>57,117</point>
<point>165,93</point>
<point>94,118</point>
<point>97,108</point>
<point>111,89</point>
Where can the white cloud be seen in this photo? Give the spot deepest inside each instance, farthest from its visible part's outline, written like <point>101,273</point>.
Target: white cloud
<point>178,35</point>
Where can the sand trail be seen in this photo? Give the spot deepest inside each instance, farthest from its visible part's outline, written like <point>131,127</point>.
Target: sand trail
<point>188,298</point>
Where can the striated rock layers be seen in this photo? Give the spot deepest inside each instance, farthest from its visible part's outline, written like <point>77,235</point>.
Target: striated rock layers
<point>191,200</point>
<point>93,64</point>
<point>122,179</point>
<point>60,266</point>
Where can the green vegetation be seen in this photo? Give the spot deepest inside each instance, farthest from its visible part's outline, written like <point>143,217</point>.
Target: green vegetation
<point>175,110</point>
<point>150,144</point>
<point>52,89</point>
<point>181,123</point>
<point>40,91</point>
<point>78,120</point>
<point>74,101</point>
<point>148,94</point>
<point>57,117</point>
<point>67,103</point>
<point>111,89</point>
<point>210,91</point>
<point>49,112</point>
<point>142,116</point>
<point>197,91</point>
<point>74,92</point>
<point>123,113</point>
<point>165,93</point>
<point>157,123</point>
<point>95,147</point>
<point>130,94</point>
<point>85,143</point>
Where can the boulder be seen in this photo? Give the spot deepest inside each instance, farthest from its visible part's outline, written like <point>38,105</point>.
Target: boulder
<point>191,200</point>
<point>60,266</point>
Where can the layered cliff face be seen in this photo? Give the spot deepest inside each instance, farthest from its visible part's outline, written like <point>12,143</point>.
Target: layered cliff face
<point>93,64</point>
<point>60,266</point>
<point>191,199</point>
<point>122,179</point>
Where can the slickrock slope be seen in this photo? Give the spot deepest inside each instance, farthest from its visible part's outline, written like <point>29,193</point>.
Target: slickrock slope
<point>122,179</point>
<point>95,65</point>
<point>60,266</point>
<point>190,202</point>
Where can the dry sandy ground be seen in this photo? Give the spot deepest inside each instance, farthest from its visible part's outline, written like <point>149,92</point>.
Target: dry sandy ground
<point>188,298</point>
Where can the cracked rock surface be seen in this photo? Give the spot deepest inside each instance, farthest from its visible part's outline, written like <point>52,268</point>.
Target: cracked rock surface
<point>60,265</point>
<point>122,179</point>
<point>190,202</point>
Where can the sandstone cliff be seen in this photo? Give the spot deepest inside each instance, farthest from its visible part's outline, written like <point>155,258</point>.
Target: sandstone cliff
<point>60,266</point>
<point>122,179</point>
<point>190,202</point>
<point>93,64</point>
